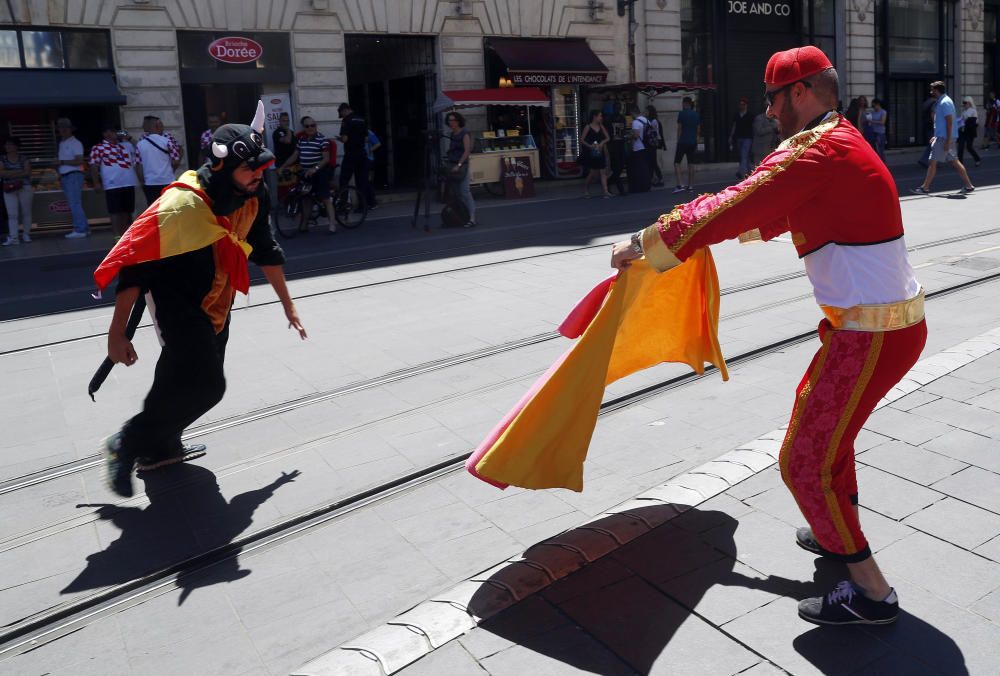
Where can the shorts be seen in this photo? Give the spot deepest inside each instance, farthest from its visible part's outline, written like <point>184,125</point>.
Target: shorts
<point>685,149</point>
<point>939,155</point>
<point>120,200</point>
<point>321,182</point>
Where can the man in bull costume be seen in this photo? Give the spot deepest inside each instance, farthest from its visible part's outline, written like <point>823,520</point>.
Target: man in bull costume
<point>188,254</point>
<point>827,187</point>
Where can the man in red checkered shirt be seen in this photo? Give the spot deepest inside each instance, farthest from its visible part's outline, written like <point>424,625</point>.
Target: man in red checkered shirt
<point>112,167</point>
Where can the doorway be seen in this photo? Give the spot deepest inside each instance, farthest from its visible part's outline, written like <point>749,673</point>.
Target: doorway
<point>392,82</point>
<point>234,103</point>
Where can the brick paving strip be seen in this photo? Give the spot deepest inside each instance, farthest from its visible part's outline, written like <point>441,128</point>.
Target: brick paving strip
<point>431,624</point>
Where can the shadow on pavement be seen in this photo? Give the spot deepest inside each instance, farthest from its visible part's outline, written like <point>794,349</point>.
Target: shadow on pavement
<point>187,515</point>
<point>620,614</point>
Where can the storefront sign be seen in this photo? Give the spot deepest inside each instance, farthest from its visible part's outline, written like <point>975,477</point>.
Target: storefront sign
<point>759,8</point>
<point>274,106</point>
<point>59,206</point>
<point>535,79</point>
<point>235,50</point>
<point>517,179</point>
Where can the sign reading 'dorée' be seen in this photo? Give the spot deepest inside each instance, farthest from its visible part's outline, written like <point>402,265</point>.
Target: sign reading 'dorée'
<point>235,50</point>
<point>760,8</point>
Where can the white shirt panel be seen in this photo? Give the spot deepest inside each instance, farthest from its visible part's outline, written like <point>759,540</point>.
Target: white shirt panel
<point>156,167</point>
<point>845,276</point>
<point>68,149</point>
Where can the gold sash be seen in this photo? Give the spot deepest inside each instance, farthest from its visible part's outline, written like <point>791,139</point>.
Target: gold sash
<point>887,317</point>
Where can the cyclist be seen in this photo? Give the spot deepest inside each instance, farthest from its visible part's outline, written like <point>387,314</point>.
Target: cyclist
<point>316,157</point>
<point>354,135</point>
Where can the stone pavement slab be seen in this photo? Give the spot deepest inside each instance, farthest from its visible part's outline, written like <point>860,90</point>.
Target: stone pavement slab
<point>714,589</point>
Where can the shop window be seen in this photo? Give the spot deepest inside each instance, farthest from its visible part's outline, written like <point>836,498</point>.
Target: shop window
<point>824,17</point>
<point>86,50</point>
<point>914,36</point>
<point>42,49</point>
<point>10,53</point>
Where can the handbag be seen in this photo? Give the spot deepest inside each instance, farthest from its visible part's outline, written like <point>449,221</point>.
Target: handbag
<point>12,185</point>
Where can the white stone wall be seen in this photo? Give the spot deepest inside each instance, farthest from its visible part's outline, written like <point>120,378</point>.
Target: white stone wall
<point>970,52</point>
<point>859,80</point>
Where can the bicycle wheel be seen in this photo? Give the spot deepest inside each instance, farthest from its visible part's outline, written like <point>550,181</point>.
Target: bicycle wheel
<point>350,208</point>
<point>287,221</point>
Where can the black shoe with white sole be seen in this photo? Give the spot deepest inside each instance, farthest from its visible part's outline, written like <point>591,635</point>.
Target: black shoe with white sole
<point>117,467</point>
<point>847,604</point>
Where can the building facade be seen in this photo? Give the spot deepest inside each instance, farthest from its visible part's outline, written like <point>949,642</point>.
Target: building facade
<point>94,59</point>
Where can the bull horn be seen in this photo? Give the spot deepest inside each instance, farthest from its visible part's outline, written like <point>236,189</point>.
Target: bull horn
<point>220,150</point>
<point>258,119</point>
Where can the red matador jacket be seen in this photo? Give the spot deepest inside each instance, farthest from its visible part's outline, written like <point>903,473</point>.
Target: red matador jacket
<point>828,188</point>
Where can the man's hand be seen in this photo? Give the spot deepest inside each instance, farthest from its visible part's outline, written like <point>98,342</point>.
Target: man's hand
<point>310,172</point>
<point>622,254</point>
<point>293,321</point>
<point>120,350</point>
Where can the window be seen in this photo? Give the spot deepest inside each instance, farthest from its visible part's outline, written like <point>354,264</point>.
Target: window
<point>42,49</point>
<point>10,53</point>
<point>914,36</point>
<point>86,50</point>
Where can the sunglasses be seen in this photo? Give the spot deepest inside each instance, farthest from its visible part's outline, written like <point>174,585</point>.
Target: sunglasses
<point>770,96</point>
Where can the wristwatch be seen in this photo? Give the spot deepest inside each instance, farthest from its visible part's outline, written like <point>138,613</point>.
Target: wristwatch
<point>637,242</point>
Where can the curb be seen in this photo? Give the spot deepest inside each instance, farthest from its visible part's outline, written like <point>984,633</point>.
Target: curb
<point>427,626</point>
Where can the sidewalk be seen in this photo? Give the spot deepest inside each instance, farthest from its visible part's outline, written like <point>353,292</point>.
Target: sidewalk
<point>701,574</point>
<point>399,204</point>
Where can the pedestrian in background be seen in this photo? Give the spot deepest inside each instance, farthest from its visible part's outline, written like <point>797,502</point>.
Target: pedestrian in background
<point>372,145</point>
<point>159,155</point>
<point>864,119</point>
<point>615,124</point>
<point>112,169</point>
<point>688,129</point>
<point>878,121</point>
<point>968,129</point>
<point>593,139</point>
<point>459,149</point>
<point>943,142</point>
<point>765,136</point>
<point>657,144</point>
<point>992,121</point>
<point>639,166</point>
<point>70,160</point>
<point>15,170</point>
<point>214,121</point>
<point>741,136</point>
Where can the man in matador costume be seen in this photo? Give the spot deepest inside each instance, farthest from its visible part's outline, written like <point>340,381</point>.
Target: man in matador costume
<point>827,187</point>
<point>188,254</point>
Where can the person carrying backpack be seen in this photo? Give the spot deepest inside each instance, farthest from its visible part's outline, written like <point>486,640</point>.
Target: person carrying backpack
<point>653,140</point>
<point>639,164</point>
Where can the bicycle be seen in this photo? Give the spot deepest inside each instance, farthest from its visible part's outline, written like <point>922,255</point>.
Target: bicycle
<point>350,209</point>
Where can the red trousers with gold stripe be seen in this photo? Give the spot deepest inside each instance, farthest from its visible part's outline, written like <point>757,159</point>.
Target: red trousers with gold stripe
<point>851,372</point>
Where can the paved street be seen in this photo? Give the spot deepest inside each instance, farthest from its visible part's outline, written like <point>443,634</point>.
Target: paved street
<point>418,344</point>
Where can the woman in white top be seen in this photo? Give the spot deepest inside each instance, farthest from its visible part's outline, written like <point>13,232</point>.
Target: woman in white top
<point>968,128</point>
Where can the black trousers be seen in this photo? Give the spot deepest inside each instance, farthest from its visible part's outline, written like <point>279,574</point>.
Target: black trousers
<point>188,382</point>
<point>639,171</point>
<point>357,167</point>
<point>616,150</point>
<point>967,140</point>
<point>152,192</point>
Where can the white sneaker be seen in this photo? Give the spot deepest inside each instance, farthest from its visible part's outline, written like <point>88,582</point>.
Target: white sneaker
<point>25,237</point>
<point>7,241</point>
<point>77,235</point>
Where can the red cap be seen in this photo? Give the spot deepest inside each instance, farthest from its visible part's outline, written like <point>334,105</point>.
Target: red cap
<point>794,64</point>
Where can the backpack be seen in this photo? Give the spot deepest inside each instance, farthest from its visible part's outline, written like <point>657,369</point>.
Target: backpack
<point>650,135</point>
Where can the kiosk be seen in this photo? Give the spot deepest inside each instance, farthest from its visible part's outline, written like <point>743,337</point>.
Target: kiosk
<point>491,148</point>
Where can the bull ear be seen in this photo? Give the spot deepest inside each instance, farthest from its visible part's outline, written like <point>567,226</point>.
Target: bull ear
<point>258,119</point>
<point>220,150</point>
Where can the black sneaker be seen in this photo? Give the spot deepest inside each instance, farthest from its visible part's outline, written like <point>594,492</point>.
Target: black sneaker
<point>118,469</point>
<point>804,538</point>
<point>920,190</point>
<point>847,604</point>
<point>184,453</point>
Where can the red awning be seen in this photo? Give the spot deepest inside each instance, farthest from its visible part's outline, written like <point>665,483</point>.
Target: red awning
<point>505,96</point>
<point>655,88</point>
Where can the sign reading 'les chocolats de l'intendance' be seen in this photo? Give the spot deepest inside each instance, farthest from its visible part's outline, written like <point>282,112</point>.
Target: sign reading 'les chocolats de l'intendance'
<point>235,50</point>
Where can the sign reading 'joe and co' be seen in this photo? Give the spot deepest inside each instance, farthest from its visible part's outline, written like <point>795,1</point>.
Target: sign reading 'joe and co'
<point>235,50</point>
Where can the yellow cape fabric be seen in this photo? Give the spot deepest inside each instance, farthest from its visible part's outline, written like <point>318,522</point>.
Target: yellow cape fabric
<point>179,209</point>
<point>647,318</point>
